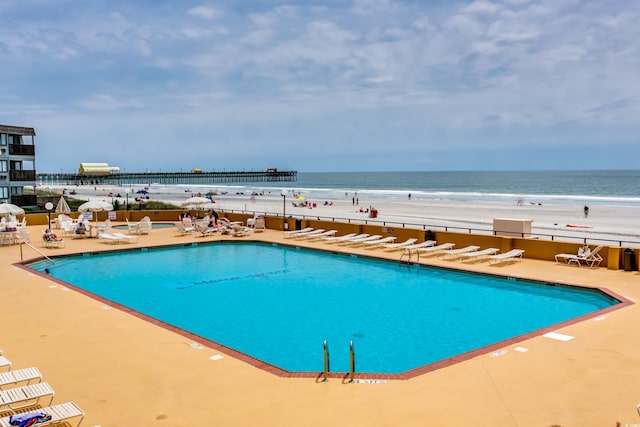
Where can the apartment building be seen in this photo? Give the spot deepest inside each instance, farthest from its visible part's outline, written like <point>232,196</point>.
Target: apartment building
<point>17,165</point>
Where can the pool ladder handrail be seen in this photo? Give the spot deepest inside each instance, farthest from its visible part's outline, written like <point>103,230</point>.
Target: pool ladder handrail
<point>326,363</point>
<point>352,360</point>
<point>410,253</point>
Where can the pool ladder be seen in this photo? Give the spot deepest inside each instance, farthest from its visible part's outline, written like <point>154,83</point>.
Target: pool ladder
<point>326,365</point>
<point>409,254</point>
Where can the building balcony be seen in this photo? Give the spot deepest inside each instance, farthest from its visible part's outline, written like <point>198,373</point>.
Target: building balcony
<point>22,175</point>
<point>22,150</point>
<point>24,200</point>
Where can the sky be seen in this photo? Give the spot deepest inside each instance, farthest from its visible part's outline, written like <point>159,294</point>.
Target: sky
<point>360,85</point>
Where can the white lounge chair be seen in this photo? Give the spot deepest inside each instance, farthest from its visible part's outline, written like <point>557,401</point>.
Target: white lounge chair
<point>457,253</point>
<point>592,258</point>
<point>28,395</point>
<point>292,233</point>
<point>181,230</point>
<point>58,413</point>
<point>124,238</point>
<point>5,363</point>
<point>338,238</point>
<point>435,250</point>
<point>309,233</point>
<point>506,256</point>
<point>397,246</point>
<point>108,238</point>
<point>20,375</point>
<point>476,256</point>
<point>361,240</point>
<point>259,225</point>
<point>328,233</point>
<point>378,242</point>
<point>420,246</point>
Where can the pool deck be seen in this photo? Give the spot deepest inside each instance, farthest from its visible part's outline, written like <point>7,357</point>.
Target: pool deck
<point>123,370</point>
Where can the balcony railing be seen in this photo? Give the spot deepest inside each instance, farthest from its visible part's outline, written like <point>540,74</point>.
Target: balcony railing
<point>25,200</point>
<point>22,150</point>
<point>22,175</point>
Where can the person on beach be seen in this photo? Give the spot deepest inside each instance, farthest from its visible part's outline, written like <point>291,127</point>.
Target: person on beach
<point>409,196</point>
<point>586,211</point>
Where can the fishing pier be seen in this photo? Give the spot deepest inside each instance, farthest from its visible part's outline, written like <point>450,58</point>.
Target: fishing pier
<point>191,177</point>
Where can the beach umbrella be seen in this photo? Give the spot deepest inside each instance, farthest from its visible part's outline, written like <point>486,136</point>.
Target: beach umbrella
<point>196,201</point>
<point>143,191</point>
<point>95,206</point>
<point>63,206</point>
<point>9,209</point>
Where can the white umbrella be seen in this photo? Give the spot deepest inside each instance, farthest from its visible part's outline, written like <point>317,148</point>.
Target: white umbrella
<point>196,201</point>
<point>63,206</point>
<point>95,206</point>
<point>9,209</point>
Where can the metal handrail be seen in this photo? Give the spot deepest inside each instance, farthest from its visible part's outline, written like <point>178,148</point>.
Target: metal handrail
<point>35,249</point>
<point>352,360</point>
<point>326,367</point>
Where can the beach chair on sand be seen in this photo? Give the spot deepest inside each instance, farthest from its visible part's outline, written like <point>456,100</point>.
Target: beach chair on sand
<point>591,258</point>
<point>513,254</point>
<point>457,253</point>
<point>55,414</point>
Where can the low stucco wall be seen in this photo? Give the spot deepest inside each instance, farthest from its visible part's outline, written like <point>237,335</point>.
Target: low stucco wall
<point>534,248</point>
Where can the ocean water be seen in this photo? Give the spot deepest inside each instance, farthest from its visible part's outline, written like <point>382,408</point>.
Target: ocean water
<point>611,187</point>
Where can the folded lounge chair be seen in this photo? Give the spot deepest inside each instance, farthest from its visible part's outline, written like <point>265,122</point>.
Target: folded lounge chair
<point>457,253</point>
<point>479,255</point>
<point>20,375</point>
<point>506,256</point>
<point>592,258</point>
<point>52,414</point>
<point>28,395</point>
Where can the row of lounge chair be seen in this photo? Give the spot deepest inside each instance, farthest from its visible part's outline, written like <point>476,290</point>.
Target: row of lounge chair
<point>408,247</point>
<point>26,392</point>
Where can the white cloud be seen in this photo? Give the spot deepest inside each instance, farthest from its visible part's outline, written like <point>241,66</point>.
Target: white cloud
<point>429,72</point>
<point>205,12</point>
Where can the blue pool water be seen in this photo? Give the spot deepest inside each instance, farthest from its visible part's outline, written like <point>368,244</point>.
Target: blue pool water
<point>278,303</point>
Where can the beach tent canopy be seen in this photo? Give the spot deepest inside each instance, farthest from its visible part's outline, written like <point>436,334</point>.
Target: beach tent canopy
<point>97,169</point>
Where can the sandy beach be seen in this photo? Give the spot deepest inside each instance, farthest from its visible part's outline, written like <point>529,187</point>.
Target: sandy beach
<point>563,222</point>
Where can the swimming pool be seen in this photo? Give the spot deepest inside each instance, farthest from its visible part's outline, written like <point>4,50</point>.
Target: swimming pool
<point>279,303</point>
